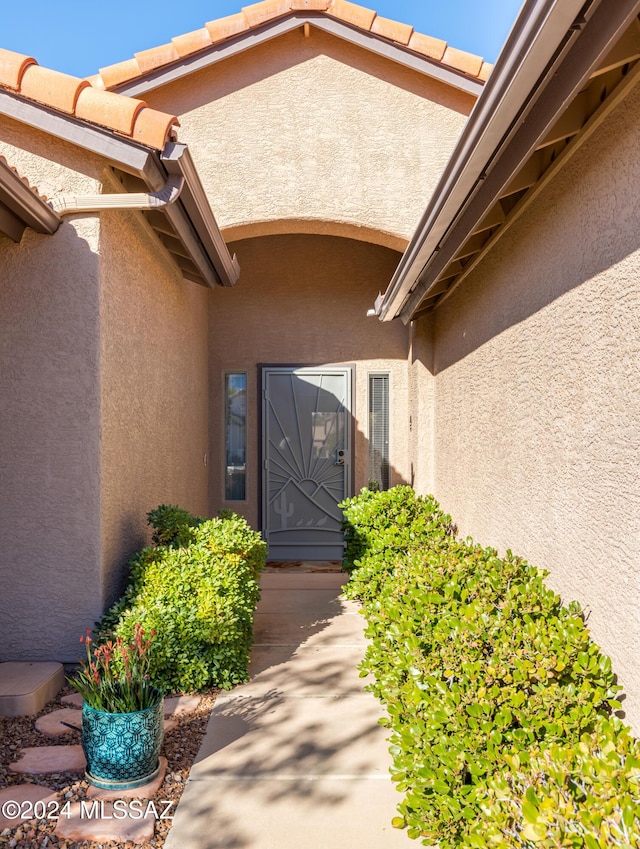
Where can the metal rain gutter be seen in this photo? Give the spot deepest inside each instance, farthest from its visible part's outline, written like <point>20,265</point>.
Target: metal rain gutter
<point>530,47</point>
<point>73,204</point>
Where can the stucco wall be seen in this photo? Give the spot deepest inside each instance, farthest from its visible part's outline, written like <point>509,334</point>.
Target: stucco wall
<point>154,388</point>
<point>537,403</point>
<point>315,129</point>
<point>303,301</point>
<point>49,428</point>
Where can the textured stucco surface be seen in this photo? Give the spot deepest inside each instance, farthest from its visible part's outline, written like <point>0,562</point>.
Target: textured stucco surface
<point>303,301</point>
<point>313,129</point>
<point>49,429</point>
<point>104,392</point>
<point>154,388</point>
<point>537,362</point>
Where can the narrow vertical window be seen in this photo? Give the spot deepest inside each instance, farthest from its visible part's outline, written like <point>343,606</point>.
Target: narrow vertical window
<point>379,430</point>
<point>235,398</point>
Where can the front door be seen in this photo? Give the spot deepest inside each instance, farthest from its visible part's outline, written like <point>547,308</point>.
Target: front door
<point>306,450</point>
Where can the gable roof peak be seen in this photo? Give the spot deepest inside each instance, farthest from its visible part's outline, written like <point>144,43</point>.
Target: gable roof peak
<point>264,12</point>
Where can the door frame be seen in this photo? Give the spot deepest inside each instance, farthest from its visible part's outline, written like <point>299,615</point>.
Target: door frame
<point>350,367</point>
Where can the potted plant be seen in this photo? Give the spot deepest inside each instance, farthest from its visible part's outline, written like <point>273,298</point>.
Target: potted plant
<point>122,713</point>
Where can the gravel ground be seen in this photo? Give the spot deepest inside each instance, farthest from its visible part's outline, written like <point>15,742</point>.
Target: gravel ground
<point>180,747</point>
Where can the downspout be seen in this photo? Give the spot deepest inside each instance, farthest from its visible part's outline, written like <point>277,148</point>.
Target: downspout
<point>168,194</point>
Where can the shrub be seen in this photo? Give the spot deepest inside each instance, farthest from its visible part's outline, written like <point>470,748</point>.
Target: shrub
<point>481,668</point>
<point>171,525</point>
<point>586,794</point>
<point>199,598</point>
<point>380,527</point>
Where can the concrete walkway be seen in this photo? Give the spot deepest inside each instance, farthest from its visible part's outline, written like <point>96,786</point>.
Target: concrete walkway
<point>295,759</point>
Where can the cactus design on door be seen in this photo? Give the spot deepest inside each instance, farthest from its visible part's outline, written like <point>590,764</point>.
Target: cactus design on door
<point>306,451</point>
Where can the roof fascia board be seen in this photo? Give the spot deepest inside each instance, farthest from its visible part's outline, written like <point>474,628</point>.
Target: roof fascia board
<point>155,175</point>
<point>126,154</point>
<point>25,204</point>
<point>528,51</point>
<point>604,27</point>
<point>141,162</point>
<point>252,38</point>
<point>176,158</point>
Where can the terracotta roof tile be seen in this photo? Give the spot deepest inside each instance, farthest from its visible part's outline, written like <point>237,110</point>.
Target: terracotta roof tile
<point>226,27</point>
<point>61,91</point>
<point>12,67</point>
<point>109,109</point>
<point>156,57</point>
<point>462,61</point>
<point>84,100</point>
<point>118,73</point>
<point>266,10</point>
<point>95,80</point>
<point>485,70</point>
<point>257,14</point>
<point>401,33</point>
<point>360,16</point>
<point>191,42</point>
<point>434,48</point>
<point>310,5</point>
<point>153,128</point>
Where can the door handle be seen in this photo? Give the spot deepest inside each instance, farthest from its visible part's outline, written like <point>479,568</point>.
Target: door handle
<point>340,458</point>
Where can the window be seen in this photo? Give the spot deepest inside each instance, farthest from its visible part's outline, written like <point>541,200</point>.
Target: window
<point>235,399</point>
<point>379,429</point>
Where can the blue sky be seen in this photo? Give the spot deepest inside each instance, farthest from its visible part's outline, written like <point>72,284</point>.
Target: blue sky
<point>79,37</point>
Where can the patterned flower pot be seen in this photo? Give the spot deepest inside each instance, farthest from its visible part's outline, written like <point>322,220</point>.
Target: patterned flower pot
<point>122,749</point>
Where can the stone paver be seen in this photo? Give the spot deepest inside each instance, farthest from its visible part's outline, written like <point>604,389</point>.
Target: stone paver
<point>147,791</point>
<point>51,724</point>
<point>99,820</point>
<point>20,798</point>
<point>179,705</point>
<point>74,699</point>
<point>43,759</point>
<point>296,757</point>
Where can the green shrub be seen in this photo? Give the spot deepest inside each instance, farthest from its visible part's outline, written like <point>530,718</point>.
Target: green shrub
<point>380,527</point>
<point>171,525</point>
<point>480,667</point>
<point>199,599</point>
<point>586,794</point>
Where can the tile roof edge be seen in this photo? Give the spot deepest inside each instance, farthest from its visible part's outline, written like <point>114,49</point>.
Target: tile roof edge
<point>257,14</point>
<point>85,100</point>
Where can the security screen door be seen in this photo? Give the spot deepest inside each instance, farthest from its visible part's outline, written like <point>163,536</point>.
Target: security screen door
<point>306,451</point>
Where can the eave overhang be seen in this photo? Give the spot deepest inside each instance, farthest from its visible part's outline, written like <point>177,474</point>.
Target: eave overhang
<point>292,22</point>
<point>22,207</point>
<point>187,228</point>
<point>565,65</point>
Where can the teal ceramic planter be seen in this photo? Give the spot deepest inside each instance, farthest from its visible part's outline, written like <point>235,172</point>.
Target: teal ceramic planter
<point>122,749</point>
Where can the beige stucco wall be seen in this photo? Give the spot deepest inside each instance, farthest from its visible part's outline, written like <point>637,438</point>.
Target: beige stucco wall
<point>104,392</point>
<point>303,301</point>
<point>537,391</point>
<point>50,561</point>
<point>316,133</point>
<point>154,388</point>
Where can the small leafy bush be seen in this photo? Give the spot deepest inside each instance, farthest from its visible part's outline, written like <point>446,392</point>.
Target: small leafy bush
<point>380,527</point>
<point>172,525</point>
<point>586,794</point>
<point>199,598</point>
<point>488,680</point>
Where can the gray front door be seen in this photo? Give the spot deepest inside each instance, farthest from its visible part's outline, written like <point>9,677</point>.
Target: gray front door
<point>306,449</point>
